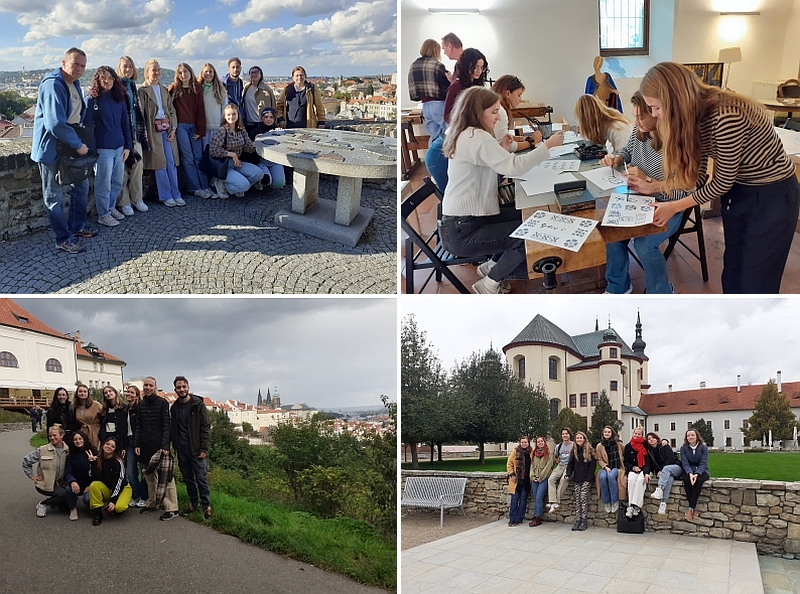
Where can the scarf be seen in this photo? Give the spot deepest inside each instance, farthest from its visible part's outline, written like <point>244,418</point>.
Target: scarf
<point>637,443</point>
<point>165,466</point>
<point>542,452</point>
<point>612,451</point>
<point>519,468</point>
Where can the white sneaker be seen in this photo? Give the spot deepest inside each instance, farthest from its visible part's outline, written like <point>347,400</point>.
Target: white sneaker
<point>486,286</point>
<point>485,268</point>
<point>239,194</point>
<point>614,507</point>
<point>141,503</point>
<point>553,507</point>
<point>73,514</point>
<point>628,292</point>
<point>607,507</point>
<point>170,203</point>
<point>219,185</point>
<point>108,221</point>
<point>258,186</point>
<point>141,206</point>
<point>117,214</point>
<point>127,210</point>
<point>41,510</point>
<point>180,201</point>
<point>662,507</point>
<point>658,493</point>
<point>629,511</point>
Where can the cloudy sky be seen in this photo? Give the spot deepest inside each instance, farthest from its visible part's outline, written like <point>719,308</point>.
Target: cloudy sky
<point>689,340</point>
<point>327,37</point>
<point>327,352</point>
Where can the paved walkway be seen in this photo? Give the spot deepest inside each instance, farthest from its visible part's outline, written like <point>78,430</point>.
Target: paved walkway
<point>133,553</point>
<point>213,246</point>
<point>552,558</point>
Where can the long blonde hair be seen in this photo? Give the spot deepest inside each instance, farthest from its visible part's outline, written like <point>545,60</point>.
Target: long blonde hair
<point>588,450</point>
<point>127,60</point>
<point>467,113</point>
<point>594,118</point>
<point>685,102</point>
<point>219,89</point>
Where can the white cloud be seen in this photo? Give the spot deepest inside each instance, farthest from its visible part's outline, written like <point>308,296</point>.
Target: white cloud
<point>258,11</point>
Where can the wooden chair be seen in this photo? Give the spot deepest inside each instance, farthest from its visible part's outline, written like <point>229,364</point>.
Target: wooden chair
<point>410,146</point>
<point>428,254</point>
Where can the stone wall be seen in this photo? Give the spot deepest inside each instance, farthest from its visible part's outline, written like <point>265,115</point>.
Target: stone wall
<point>14,426</point>
<point>766,513</point>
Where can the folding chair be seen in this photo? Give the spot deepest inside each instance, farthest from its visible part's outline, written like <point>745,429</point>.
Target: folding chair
<point>436,257</point>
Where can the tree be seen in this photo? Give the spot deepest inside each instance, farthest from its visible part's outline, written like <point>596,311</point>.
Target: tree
<point>12,104</point>
<point>302,444</point>
<point>705,431</point>
<point>772,411</point>
<point>422,383</point>
<point>530,409</point>
<point>603,415</point>
<point>567,418</point>
<point>247,428</point>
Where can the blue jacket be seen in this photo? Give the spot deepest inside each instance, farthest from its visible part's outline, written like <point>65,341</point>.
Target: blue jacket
<point>78,469</point>
<point>235,90</point>
<point>112,126</point>
<point>697,462</point>
<point>50,122</point>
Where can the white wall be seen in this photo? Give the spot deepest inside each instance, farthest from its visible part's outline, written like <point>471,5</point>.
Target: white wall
<point>32,350</point>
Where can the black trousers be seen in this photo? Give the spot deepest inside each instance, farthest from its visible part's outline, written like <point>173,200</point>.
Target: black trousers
<point>759,224</point>
<point>693,491</point>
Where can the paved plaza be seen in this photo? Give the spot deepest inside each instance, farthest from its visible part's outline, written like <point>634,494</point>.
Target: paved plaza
<point>552,558</point>
<point>213,246</point>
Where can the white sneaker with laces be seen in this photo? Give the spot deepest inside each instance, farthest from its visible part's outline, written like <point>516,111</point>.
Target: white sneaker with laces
<point>607,507</point>
<point>117,214</point>
<point>658,493</point>
<point>170,203</point>
<point>127,210</point>
<point>219,185</point>
<point>180,201</point>
<point>662,507</point>
<point>41,510</point>
<point>486,286</point>
<point>141,206</point>
<point>485,268</point>
<point>73,514</point>
<point>629,511</point>
<point>614,507</point>
<point>258,186</point>
<point>239,194</point>
<point>141,503</point>
<point>108,221</point>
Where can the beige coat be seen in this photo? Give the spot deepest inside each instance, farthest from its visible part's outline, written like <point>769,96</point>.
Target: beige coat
<point>542,467</point>
<point>154,157</point>
<point>315,111</point>
<point>602,462</point>
<point>264,96</point>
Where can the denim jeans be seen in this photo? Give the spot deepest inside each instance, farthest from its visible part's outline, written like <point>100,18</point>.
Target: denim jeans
<point>436,163</point>
<point>191,151</point>
<point>240,179</point>
<point>277,176</point>
<point>538,490</point>
<point>193,470</point>
<point>668,474</point>
<point>53,195</point>
<point>137,483</point>
<point>519,502</point>
<point>167,178</point>
<point>618,276</point>
<point>108,176</point>
<point>433,114</point>
<point>608,485</point>
<point>72,499</point>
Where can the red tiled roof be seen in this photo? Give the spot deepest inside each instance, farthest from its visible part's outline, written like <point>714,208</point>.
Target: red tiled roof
<point>712,399</point>
<point>11,314</point>
<point>81,352</point>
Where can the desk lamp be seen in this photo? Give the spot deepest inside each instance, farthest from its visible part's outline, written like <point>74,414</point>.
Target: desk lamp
<point>729,55</point>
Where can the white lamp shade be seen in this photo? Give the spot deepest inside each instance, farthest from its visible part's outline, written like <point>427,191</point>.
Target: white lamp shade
<point>728,55</point>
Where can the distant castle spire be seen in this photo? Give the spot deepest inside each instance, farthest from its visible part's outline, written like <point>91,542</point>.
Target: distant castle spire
<point>259,401</point>
<point>597,323</point>
<point>638,344</point>
<point>268,400</point>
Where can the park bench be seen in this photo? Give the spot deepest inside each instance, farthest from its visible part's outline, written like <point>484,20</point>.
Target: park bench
<point>436,492</point>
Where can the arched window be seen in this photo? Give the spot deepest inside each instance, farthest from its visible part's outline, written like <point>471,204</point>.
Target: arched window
<point>552,364</point>
<point>53,365</point>
<point>554,403</point>
<point>8,360</point>
<point>520,362</point>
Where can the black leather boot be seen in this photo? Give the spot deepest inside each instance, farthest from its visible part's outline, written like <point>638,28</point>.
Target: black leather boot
<point>584,525</point>
<point>576,525</point>
<point>98,517</point>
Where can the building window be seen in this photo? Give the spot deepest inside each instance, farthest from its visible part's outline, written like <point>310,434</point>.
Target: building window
<point>672,442</point>
<point>53,365</point>
<point>8,360</point>
<point>94,364</point>
<point>101,368</point>
<point>745,424</point>
<point>36,393</point>
<point>4,393</point>
<point>708,424</point>
<point>624,27</point>
<point>553,368</point>
<point>521,368</point>
<point>655,427</point>
<point>728,442</point>
<point>553,408</point>
<point>672,426</point>
<point>584,400</point>
<point>688,424</point>
<point>612,352</point>
<point>572,401</point>
<point>594,398</point>
<point>613,385</point>
<point>726,424</point>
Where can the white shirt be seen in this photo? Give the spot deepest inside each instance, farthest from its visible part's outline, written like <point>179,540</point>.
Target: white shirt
<point>501,129</point>
<point>472,171</point>
<point>618,134</point>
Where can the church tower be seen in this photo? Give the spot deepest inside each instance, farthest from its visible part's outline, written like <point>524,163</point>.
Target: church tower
<point>259,402</point>
<point>276,399</point>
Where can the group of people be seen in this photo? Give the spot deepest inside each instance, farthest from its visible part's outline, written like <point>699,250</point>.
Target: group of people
<point>689,142</point>
<point>116,454</point>
<point>625,471</point>
<point>164,127</point>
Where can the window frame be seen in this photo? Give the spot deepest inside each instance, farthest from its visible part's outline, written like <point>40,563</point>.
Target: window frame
<point>10,358</point>
<point>594,398</point>
<point>521,368</point>
<point>552,368</point>
<point>613,386</point>
<point>53,368</point>
<point>616,52</point>
<point>655,427</point>
<point>573,400</point>
<point>584,399</point>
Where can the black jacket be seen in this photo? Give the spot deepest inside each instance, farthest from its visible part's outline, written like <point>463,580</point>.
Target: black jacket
<point>120,419</point>
<point>629,459</point>
<point>112,475</point>
<point>61,414</point>
<point>661,456</point>
<point>152,427</point>
<point>199,426</point>
<point>578,470</point>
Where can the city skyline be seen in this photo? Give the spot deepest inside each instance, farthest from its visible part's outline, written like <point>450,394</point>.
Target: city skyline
<point>328,38</point>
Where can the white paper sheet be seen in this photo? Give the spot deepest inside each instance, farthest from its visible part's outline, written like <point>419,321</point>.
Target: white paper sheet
<point>544,182</point>
<point>790,140</point>
<point>558,151</point>
<point>571,136</point>
<point>628,210</point>
<point>555,229</point>
<point>603,178</point>
<point>560,165</point>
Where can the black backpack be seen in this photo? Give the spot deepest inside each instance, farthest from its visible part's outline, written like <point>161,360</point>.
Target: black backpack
<point>626,525</point>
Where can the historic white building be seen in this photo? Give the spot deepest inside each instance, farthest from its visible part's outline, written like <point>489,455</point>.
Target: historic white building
<point>574,369</point>
<point>96,368</point>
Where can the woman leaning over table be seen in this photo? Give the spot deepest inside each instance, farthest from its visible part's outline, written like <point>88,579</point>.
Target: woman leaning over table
<point>300,103</point>
<point>637,465</point>
<point>694,459</point>
<point>510,89</point>
<point>752,175</point>
<point>611,483</point>
<point>643,152</point>
<point>518,467</point>
<point>472,223</point>
<point>229,142</point>
<point>601,124</point>
<point>580,470</point>
<point>161,123</point>
<point>541,466</point>
<point>666,465</point>
<point>132,181</point>
<point>187,97</point>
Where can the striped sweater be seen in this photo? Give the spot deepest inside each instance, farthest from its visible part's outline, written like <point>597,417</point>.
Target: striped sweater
<point>649,161</point>
<point>746,153</point>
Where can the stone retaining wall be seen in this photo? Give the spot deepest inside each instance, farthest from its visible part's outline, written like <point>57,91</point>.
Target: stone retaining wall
<point>15,426</point>
<point>766,513</point>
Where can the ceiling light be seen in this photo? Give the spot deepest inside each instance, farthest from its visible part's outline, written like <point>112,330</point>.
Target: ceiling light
<point>454,11</point>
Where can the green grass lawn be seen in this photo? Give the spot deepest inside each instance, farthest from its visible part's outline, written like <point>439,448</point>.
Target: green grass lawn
<point>759,466</point>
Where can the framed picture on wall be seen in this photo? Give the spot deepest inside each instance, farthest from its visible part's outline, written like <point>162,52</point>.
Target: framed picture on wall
<point>709,72</point>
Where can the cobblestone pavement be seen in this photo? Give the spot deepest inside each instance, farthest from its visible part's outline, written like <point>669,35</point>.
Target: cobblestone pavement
<point>213,246</point>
